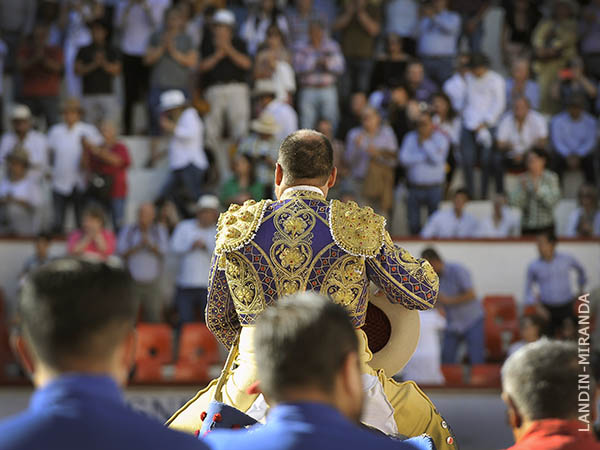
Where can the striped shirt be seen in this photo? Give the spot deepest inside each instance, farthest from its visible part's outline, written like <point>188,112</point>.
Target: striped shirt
<point>538,203</point>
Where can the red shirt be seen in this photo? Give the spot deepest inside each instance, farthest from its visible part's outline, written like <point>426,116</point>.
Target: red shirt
<point>118,173</point>
<point>38,81</point>
<point>556,434</point>
<point>92,249</point>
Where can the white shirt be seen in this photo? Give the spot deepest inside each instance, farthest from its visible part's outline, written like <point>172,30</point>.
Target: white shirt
<point>285,116</point>
<point>573,223</point>
<point>186,146</point>
<point>138,27</point>
<point>455,87</point>
<point>36,146</point>
<point>450,129</point>
<point>509,225</point>
<point>26,190</point>
<point>533,129</point>
<point>284,80</point>
<point>485,99</point>
<point>444,224</point>
<point>67,150</point>
<point>144,265</point>
<point>194,263</point>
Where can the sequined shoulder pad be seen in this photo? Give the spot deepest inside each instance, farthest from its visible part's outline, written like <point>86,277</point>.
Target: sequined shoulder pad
<point>237,226</point>
<point>358,231</point>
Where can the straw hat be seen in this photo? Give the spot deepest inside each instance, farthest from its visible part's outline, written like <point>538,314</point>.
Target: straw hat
<point>172,99</point>
<point>19,154</point>
<point>265,124</point>
<point>208,202</point>
<point>223,17</point>
<point>20,112</point>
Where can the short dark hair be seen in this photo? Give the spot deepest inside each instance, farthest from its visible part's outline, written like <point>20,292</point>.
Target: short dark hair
<point>96,212</point>
<point>540,152</point>
<point>462,191</point>
<point>306,155</point>
<point>430,254</point>
<point>550,235</point>
<point>479,60</point>
<point>73,309</point>
<point>302,342</point>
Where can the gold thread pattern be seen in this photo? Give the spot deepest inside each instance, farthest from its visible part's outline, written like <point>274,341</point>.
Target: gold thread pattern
<point>358,231</point>
<point>237,226</point>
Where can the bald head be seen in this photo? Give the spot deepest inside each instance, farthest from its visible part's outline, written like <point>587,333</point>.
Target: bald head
<point>146,214</point>
<point>306,155</point>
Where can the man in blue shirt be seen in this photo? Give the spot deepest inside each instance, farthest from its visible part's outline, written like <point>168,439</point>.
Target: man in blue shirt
<point>309,371</point>
<point>77,340</point>
<point>551,272</point>
<point>464,313</point>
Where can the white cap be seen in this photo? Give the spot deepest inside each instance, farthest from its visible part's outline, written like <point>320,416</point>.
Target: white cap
<point>20,112</point>
<point>223,17</point>
<point>172,99</point>
<point>208,202</point>
<point>264,86</point>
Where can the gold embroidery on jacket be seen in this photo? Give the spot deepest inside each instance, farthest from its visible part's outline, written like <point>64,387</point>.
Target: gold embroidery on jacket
<point>244,285</point>
<point>345,282</point>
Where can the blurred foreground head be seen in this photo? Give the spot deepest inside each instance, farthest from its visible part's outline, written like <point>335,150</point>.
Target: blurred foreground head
<point>77,316</point>
<point>307,350</point>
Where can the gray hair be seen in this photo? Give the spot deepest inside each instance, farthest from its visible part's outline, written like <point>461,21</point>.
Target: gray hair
<point>541,378</point>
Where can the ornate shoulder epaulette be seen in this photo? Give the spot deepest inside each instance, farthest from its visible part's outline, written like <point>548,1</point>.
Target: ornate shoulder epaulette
<point>237,226</point>
<point>358,231</point>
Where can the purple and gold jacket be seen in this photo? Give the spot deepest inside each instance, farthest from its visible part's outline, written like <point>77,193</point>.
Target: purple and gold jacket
<point>269,249</point>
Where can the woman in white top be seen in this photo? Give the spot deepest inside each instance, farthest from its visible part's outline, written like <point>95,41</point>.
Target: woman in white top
<point>585,220</point>
<point>254,29</point>
<point>447,121</point>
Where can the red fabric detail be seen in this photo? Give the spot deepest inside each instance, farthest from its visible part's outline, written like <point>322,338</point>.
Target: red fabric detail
<point>197,433</point>
<point>37,80</point>
<point>91,248</point>
<point>236,427</point>
<point>254,388</point>
<point>203,416</point>
<point>217,417</point>
<point>119,173</point>
<point>377,327</point>
<point>556,434</point>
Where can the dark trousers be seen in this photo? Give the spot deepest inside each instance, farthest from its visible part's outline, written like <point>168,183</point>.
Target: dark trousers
<point>558,316</point>
<point>587,165</point>
<point>46,107</point>
<point>490,163</point>
<point>60,204</point>
<point>418,197</point>
<point>135,77</point>
<point>184,186</point>
<point>474,338</point>
<point>188,302</point>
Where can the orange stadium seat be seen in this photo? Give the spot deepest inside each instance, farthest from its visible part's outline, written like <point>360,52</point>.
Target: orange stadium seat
<point>154,343</point>
<point>192,371</point>
<point>453,374</point>
<point>501,325</point>
<point>485,375</point>
<point>198,343</point>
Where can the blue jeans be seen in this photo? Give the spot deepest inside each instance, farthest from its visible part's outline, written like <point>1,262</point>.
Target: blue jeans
<point>190,179</point>
<point>417,197</point>
<point>117,212</point>
<point>61,203</point>
<point>475,38</point>
<point>357,76</point>
<point>490,162</point>
<point>438,69</point>
<point>473,336</point>
<point>188,301</point>
<point>318,103</point>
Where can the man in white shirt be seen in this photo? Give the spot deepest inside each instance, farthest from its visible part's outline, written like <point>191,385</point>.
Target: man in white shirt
<point>518,132</point>
<point>452,223</point>
<point>194,242</point>
<point>286,117</point>
<point>187,160</point>
<point>137,20</point>
<point>485,102</point>
<point>455,87</point>
<point>66,143</point>
<point>32,141</point>
<point>143,246</point>
<point>502,223</point>
<point>19,197</point>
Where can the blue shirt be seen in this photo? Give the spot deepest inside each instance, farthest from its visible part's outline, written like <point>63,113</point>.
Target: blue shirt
<point>425,161</point>
<point>532,93</point>
<point>455,279</point>
<point>573,137</point>
<point>77,412</point>
<point>445,224</point>
<point>553,280</point>
<point>438,35</point>
<point>314,426</point>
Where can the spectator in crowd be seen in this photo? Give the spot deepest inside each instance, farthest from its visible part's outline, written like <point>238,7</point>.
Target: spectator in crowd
<point>573,135</point>
<point>425,365</point>
<point>31,140</point>
<point>254,29</point>
<point>318,398</point>
<point>187,160</point>
<point>299,18</point>
<point>437,41</point>
<point>107,166</point>
<point>358,26</point>
<point>464,313</point>
<point>585,220</point>
<point>537,194</point>
<point>318,63</point>
<point>98,64</point>
<point>452,222</point>
<point>589,34</point>
<point>402,19</point>
<point>3,56</point>
<point>77,341</point>
<point>531,329</point>
<point>343,171</point>
<point>352,116</point>
<point>472,14</point>
<point>541,388</point>
<point>273,64</point>
<point>265,93</point>
<point>16,23</point>
<point>390,63</point>
<point>520,19</point>
<point>136,20</point>
<point>455,87</point>
<point>167,216</point>
<point>421,87</point>
<point>371,152</point>
<point>262,145</point>
<point>143,247</point>
<point>93,239</point>
<point>423,153</point>
<point>572,82</point>
<point>502,223</point>
<point>41,255</point>
<point>194,241</point>
<point>554,43</point>
<point>521,85</point>
<point>555,299</point>
<point>40,66</point>
<point>243,185</point>
<point>20,197</point>
<point>65,141</point>
<point>447,122</point>
<point>172,58</point>
<point>519,131</point>
<point>402,111</point>
<point>224,67</point>
<point>485,102</point>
